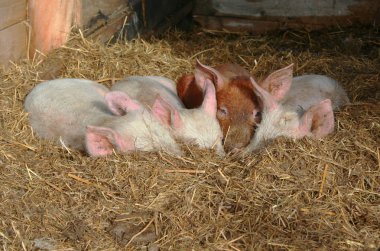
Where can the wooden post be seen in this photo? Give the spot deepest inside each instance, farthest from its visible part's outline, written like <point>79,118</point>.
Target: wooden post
<point>51,22</point>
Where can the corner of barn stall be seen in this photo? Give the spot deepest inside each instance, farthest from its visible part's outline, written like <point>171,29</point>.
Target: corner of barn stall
<point>30,26</point>
<point>37,26</point>
<point>292,195</point>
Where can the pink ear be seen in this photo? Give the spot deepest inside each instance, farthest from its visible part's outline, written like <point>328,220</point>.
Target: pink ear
<point>162,110</point>
<point>318,121</point>
<point>209,101</point>
<point>268,101</point>
<point>166,113</point>
<point>101,141</point>
<point>203,72</point>
<point>279,82</point>
<point>177,122</point>
<point>120,103</point>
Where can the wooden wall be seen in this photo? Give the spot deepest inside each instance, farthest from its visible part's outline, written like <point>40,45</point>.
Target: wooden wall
<point>13,30</point>
<point>49,22</point>
<point>257,16</point>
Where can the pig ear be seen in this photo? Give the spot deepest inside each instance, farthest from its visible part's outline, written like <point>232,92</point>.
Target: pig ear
<point>120,103</point>
<point>203,72</point>
<point>279,82</point>
<point>267,100</point>
<point>166,113</point>
<point>101,141</point>
<point>318,121</point>
<point>209,101</point>
<point>183,84</point>
<point>176,120</point>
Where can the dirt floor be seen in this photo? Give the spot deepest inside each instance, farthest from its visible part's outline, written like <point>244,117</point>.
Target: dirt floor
<point>294,195</point>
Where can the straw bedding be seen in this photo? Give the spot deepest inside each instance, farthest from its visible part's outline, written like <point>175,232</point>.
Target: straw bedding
<point>293,195</point>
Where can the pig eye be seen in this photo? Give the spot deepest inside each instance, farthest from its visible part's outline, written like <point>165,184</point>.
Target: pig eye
<point>257,116</point>
<point>222,111</point>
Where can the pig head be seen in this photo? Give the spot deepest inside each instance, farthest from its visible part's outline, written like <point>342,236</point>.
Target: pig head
<point>277,120</point>
<point>238,106</point>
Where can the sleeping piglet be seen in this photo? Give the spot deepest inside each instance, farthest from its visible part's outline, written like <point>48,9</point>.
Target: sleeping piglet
<point>86,116</point>
<point>306,109</point>
<point>197,126</point>
<point>238,107</point>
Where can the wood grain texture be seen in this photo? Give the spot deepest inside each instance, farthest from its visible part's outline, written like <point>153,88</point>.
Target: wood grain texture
<point>12,12</point>
<point>259,16</point>
<point>92,8</point>
<point>289,8</point>
<point>13,43</point>
<point>51,22</point>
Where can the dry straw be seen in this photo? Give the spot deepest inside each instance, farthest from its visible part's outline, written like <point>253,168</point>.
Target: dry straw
<point>296,195</point>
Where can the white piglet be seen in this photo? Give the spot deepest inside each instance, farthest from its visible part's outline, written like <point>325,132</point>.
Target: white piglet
<point>192,126</point>
<point>300,106</point>
<point>84,115</point>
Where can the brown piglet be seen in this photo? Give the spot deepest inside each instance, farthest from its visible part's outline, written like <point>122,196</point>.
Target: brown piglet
<point>238,107</point>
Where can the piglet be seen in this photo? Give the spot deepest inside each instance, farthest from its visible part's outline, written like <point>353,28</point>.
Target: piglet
<point>278,120</point>
<point>308,90</point>
<point>84,115</point>
<point>197,126</point>
<point>238,109</point>
<point>306,108</point>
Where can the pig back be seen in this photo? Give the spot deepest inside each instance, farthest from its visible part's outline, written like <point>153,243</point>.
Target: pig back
<point>145,89</point>
<point>62,108</point>
<point>308,90</point>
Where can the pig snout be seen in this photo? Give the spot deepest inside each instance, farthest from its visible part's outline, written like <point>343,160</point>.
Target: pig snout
<point>238,113</point>
<point>237,137</point>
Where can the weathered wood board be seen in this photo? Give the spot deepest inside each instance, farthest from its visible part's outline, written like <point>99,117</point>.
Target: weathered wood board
<point>13,30</point>
<point>12,12</point>
<point>93,10</point>
<point>264,15</point>
<point>51,22</point>
<point>13,43</point>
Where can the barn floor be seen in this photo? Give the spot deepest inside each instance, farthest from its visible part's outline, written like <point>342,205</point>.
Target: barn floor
<point>294,195</point>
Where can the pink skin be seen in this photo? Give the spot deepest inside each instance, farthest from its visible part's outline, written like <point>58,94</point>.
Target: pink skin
<point>119,103</point>
<point>167,114</point>
<point>316,122</point>
<point>238,107</point>
<point>84,115</point>
<point>197,126</point>
<point>101,141</point>
<point>187,122</point>
<point>277,120</point>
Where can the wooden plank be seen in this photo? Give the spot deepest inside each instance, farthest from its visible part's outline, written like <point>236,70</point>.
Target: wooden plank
<point>261,16</point>
<point>232,24</point>
<point>108,31</point>
<point>13,43</point>
<point>92,10</point>
<point>275,8</point>
<point>12,12</point>
<point>51,22</point>
<point>281,8</point>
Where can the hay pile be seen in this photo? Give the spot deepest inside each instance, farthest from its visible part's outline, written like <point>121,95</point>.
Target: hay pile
<point>296,195</point>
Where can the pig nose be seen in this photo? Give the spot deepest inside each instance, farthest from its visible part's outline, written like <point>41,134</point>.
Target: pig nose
<point>238,146</point>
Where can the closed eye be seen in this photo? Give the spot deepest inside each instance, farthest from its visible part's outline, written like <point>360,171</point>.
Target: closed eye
<point>257,116</point>
<point>222,112</point>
